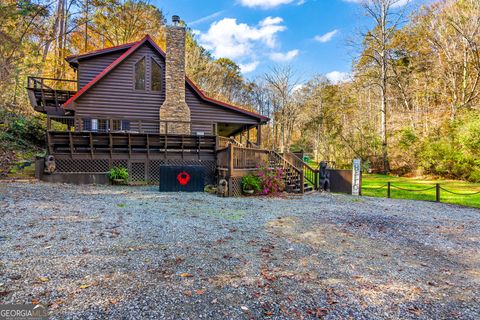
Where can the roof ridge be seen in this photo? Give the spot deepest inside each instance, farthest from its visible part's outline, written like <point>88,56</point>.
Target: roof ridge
<point>99,51</point>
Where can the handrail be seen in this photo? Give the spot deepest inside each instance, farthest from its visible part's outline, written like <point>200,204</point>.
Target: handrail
<point>311,174</point>
<point>252,145</point>
<point>39,83</point>
<point>54,79</point>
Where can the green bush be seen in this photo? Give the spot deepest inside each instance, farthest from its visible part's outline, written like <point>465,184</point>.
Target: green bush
<point>22,131</point>
<point>251,182</point>
<point>118,173</point>
<point>455,153</point>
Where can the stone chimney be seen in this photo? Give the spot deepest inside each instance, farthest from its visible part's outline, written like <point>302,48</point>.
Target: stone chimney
<point>175,107</point>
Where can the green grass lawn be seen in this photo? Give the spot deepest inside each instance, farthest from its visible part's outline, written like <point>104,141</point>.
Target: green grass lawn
<point>372,181</point>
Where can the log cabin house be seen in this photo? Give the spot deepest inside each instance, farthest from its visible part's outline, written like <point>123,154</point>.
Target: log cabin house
<point>133,106</point>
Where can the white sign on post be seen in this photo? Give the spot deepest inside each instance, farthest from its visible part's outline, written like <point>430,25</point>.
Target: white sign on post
<point>356,170</point>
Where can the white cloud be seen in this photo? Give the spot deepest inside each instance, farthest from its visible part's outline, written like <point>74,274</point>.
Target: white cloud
<point>395,3</point>
<point>249,67</point>
<point>265,4</point>
<point>227,38</point>
<point>338,77</point>
<point>327,36</point>
<point>298,87</point>
<point>283,57</point>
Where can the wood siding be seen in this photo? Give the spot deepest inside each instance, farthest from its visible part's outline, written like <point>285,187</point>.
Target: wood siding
<point>91,67</point>
<point>114,95</point>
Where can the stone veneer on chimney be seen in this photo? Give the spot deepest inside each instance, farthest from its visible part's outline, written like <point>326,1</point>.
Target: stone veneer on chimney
<point>174,107</point>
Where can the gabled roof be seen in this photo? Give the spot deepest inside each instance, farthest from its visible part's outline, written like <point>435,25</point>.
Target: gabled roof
<point>132,47</point>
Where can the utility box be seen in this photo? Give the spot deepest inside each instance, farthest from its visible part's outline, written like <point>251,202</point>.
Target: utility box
<point>182,178</point>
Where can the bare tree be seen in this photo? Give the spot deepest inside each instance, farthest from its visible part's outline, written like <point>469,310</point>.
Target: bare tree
<point>281,83</point>
<point>387,16</point>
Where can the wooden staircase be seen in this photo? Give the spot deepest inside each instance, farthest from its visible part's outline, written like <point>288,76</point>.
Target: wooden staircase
<point>293,177</point>
<point>235,161</point>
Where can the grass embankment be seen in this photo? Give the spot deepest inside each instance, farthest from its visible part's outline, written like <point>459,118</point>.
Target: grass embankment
<point>371,183</point>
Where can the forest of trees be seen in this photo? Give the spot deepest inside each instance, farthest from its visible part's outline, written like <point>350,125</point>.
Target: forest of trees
<point>411,106</point>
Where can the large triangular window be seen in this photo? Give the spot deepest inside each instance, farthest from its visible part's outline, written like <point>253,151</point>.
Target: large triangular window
<point>156,76</point>
<point>140,74</point>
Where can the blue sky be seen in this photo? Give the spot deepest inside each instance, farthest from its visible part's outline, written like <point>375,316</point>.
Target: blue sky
<point>311,35</point>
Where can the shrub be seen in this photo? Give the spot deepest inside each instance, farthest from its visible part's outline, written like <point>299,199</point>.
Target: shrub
<point>22,131</point>
<point>251,182</point>
<point>118,173</point>
<point>454,152</point>
<point>271,180</point>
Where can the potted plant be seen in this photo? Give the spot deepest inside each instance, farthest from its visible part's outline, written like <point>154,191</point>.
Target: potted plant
<point>250,184</point>
<point>118,175</point>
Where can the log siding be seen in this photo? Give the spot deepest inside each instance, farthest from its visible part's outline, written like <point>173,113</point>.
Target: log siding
<point>114,95</point>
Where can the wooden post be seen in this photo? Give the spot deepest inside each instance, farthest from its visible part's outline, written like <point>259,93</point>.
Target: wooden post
<point>91,144</point>
<point>437,192</point>
<point>388,189</point>
<point>316,187</point>
<point>259,135</point>
<point>70,141</point>
<point>230,160</point>
<point>302,182</point>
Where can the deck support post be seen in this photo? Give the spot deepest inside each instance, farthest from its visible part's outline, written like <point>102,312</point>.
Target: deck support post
<point>259,135</point>
<point>230,160</point>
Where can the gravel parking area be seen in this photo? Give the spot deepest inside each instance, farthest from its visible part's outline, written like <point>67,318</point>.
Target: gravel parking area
<point>91,252</point>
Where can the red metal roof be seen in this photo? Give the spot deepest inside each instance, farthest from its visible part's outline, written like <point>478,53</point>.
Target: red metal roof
<point>100,51</point>
<point>131,48</point>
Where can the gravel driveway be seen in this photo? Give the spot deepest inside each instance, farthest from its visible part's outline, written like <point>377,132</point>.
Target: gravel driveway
<point>92,252</point>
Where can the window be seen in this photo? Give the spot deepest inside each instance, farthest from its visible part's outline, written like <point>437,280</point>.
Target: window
<point>140,75</point>
<point>156,76</point>
<point>95,125</point>
<point>102,125</point>
<point>121,125</point>
<point>87,124</point>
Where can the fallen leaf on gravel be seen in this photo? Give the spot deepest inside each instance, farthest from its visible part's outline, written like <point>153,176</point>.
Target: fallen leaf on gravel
<point>4,293</point>
<point>188,293</point>
<point>35,301</point>
<point>214,301</point>
<point>44,279</point>
<point>113,301</point>
<point>321,312</point>
<point>415,310</point>
<point>85,286</point>
<point>267,276</point>
<point>268,313</point>
<point>185,275</point>
<point>200,292</point>
<point>244,308</point>
<point>179,260</point>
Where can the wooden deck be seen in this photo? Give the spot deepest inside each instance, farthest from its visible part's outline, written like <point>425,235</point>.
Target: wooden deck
<point>84,145</point>
<point>47,95</point>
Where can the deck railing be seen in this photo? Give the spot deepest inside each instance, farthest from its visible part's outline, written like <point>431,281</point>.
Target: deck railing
<point>236,161</point>
<point>139,125</point>
<point>41,83</point>
<point>96,143</point>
